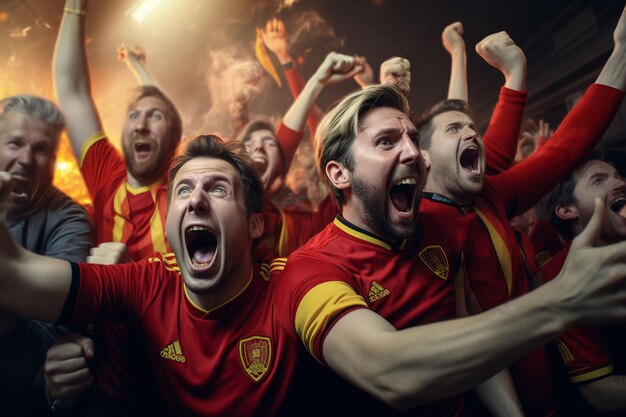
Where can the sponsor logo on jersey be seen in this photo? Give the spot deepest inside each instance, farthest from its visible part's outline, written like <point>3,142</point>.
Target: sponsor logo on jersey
<point>173,352</point>
<point>435,259</point>
<point>377,292</point>
<point>256,354</point>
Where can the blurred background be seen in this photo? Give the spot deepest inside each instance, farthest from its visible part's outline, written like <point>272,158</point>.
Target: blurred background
<point>194,48</point>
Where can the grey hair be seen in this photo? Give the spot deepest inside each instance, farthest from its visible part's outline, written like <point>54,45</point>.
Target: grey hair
<point>34,106</point>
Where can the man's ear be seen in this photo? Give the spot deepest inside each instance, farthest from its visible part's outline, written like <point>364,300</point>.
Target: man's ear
<point>566,212</point>
<point>426,156</point>
<point>256,225</point>
<point>338,175</point>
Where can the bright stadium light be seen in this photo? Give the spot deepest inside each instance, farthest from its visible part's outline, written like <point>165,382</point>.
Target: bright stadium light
<point>140,11</point>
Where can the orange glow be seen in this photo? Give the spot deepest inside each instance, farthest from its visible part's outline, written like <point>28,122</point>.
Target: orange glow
<point>4,16</point>
<point>67,176</point>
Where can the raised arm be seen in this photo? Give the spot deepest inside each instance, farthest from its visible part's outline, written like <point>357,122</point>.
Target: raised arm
<point>71,77</point>
<point>334,69</point>
<point>425,363</point>
<point>501,137</point>
<point>581,130</point>
<point>135,59</point>
<point>397,71</point>
<point>452,40</point>
<point>30,285</point>
<point>276,40</point>
<point>366,76</point>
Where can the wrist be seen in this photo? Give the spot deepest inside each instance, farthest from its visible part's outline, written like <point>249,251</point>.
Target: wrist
<point>286,60</point>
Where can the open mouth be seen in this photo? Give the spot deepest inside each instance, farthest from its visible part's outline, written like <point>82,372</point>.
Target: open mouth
<point>402,194</point>
<point>262,162</point>
<point>201,246</point>
<point>142,150</point>
<point>469,159</point>
<point>619,206</point>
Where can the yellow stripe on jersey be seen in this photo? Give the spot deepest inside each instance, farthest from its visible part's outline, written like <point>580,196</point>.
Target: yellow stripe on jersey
<point>360,235</point>
<point>607,370</point>
<point>156,230</point>
<point>205,311</point>
<point>501,250</point>
<point>93,139</point>
<point>319,306</point>
<point>118,220</point>
<point>283,240</point>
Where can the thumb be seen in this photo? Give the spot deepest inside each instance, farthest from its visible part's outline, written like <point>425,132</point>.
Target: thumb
<point>592,231</point>
<point>87,344</point>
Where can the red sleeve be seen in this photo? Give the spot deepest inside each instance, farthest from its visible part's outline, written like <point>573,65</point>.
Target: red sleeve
<point>526,183</point>
<point>296,84</point>
<point>503,132</point>
<point>289,141</point>
<point>101,163</point>
<point>114,292</point>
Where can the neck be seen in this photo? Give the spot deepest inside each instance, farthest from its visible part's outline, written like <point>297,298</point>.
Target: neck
<point>140,182</point>
<point>238,280</point>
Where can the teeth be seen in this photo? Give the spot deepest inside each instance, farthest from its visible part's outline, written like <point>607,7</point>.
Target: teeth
<point>197,228</point>
<point>407,181</point>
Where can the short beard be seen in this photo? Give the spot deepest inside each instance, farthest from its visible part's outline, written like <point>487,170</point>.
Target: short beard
<point>375,213</point>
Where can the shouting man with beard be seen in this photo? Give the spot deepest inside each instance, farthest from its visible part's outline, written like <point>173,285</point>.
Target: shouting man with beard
<point>372,296</point>
<point>129,193</point>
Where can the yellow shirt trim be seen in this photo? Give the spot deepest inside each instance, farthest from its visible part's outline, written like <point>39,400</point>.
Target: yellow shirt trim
<point>205,311</point>
<point>501,250</point>
<point>157,231</point>
<point>118,220</point>
<point>360,235</point>
<point>93,139</point>
<point>607,370</point>
<point>319,306</point>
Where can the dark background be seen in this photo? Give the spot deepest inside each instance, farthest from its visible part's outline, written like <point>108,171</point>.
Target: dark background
<point>191,44</point>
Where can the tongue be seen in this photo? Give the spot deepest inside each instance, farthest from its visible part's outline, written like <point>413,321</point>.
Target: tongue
<point>622,212</point>
<point>203,255</point>
<point>398,198</point>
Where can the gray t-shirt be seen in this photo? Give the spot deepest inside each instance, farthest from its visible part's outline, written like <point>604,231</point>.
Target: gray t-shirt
<point>61,229</point>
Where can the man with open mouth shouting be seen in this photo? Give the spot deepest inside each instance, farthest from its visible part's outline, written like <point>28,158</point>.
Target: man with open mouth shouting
<point>128,192</point>
<point>207,317</point>
<point>593,356</point>
<point>372,296</point>
<point>481,205</point>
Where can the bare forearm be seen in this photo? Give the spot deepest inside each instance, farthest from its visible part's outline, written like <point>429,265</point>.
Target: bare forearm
<point>31,285</point>
<point>613,73</point>
<point>296,116</point>
<point>71,75</point>
<point>431,362</point>
<point>458,76</point>
<point>141,73</point>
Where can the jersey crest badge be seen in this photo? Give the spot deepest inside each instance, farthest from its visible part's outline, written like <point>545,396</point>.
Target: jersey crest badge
<point>435,259</point>
<point>256,355</point>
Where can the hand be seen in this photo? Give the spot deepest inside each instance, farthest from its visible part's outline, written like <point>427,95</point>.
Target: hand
<point>538,131</point>
<point>366,76</point>
<point>591,284</point>
<point>275,38</point>
<point>499,50</point>
<point>6,186</point>
<point>66,371</point>
<point>336,68</point>
<point>452,37</point>
<point>131,52</point>
<point>109,253</point>
<point>397,71</point>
